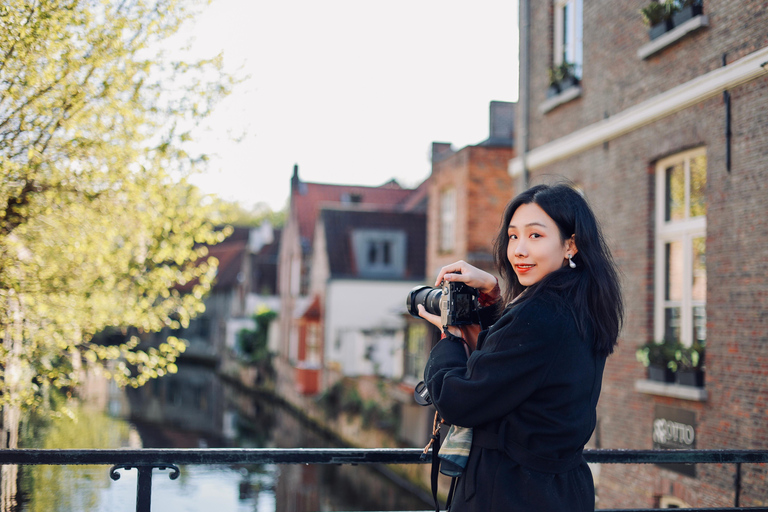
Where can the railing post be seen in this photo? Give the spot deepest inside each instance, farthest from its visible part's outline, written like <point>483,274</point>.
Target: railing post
<point>144,489</point>
<point>144,481</point>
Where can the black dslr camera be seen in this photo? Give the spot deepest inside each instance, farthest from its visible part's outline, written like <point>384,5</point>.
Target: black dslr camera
<point>456,303</point>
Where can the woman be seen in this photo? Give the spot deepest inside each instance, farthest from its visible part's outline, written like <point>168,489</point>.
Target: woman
<point>530,386</point>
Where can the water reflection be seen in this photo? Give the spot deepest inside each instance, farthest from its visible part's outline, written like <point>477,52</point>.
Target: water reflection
<point>192,409</point>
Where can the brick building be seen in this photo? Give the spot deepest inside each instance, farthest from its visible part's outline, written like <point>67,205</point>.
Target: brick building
<point>668,139</point>
<point>468,191</point>
<point>352,241</point>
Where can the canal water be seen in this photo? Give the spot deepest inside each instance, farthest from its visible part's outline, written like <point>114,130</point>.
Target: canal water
<point>195,409</point>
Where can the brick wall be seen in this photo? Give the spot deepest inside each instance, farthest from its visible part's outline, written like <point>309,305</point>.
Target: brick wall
<point>618,180</point>
<point>489,191</point>
<point>614,78</point>
<point>483,186</point>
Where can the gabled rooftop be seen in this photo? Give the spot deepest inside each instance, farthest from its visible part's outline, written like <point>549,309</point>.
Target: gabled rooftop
<point>307,199</point>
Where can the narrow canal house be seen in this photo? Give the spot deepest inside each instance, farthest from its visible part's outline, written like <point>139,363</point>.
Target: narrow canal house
<point>347,305</point>
<point>246,279</point>
<point>468,189</point>
<point>348,256</point>
<point>666,133</point>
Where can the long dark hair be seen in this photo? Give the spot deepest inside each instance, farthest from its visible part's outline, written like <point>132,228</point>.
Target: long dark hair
<point>592,288</point>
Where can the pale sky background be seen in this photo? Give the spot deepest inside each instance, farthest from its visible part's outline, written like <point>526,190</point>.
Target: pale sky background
<point>353,91</point>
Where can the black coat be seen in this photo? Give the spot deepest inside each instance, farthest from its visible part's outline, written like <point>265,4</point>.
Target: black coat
<point>534,381</point>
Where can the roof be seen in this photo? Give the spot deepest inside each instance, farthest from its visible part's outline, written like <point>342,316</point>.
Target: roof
<point>230,256</point>
<point>340,224</point>
<point>311,197</point>
<point>417,201</point>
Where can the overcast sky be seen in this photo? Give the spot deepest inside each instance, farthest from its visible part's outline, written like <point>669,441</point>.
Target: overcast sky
<point>352,91</point>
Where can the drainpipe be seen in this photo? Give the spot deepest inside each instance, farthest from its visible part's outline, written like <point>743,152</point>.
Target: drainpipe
<point>524,15</point>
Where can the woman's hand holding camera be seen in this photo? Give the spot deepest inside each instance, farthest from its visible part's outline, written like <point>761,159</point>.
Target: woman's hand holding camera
<point>468,332</point>
<point>463,272</point>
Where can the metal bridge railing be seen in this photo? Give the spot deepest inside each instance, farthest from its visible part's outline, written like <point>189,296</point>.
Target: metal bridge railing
<point>145,460</point>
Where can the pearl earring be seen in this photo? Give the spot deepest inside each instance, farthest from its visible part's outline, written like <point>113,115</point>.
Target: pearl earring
<point>571,263</point>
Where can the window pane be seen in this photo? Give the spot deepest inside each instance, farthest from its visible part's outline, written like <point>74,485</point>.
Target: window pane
<point>672,324</point>
<point>673,285</point>
<point>567,24</point>
<point>698,186</point>
<point>447,219</point>
<point>675,189</point>
<point>700,324</point>
<point>578,58</point>
<point>699,291</point>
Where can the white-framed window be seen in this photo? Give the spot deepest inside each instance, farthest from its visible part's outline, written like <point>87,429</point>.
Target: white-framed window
<point>568,34</point>
<point>447,232</point>
<point>681,228</point>
<point>380,252</point>
<point>312,354</point>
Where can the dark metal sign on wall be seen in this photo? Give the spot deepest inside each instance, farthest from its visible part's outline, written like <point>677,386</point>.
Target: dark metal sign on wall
<point>675,429</point>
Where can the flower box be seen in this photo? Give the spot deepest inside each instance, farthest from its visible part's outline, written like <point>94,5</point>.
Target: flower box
<point>660,374</point>
<point>686,13</point>
<point>693,378</point>
<point>660,29</point>
<point>553,90</point>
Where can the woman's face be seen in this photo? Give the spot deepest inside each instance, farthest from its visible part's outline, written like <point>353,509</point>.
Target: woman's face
<point>535,248</point>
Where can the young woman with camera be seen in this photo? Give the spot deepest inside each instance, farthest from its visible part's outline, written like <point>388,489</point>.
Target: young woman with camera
<point>530,384</point>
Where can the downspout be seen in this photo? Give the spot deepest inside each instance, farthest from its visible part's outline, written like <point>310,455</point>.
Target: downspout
<point>524,81</point>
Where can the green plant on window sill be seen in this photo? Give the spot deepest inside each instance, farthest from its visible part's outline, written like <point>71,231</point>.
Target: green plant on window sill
<point>561,77</point>
<point>670,361</point>
<point>663,15</point>
<point>657,355</point>
<point>658,12</point>
<point>689,358</point>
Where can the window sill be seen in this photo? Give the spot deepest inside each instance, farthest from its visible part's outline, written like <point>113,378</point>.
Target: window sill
<point>672,36</point>
<point>567,95</point>
<point>652,387</point>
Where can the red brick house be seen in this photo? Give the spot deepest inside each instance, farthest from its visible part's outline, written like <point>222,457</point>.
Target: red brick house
<point>301,355</point>
<point>667,136</point>
<point>468,191</point>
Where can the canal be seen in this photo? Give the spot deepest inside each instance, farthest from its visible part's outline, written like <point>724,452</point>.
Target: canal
<point>194,409</point>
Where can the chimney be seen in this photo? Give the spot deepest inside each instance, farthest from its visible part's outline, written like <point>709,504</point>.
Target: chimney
<point>441,151</point>
<point>502,124</point>
<point>295,179</point>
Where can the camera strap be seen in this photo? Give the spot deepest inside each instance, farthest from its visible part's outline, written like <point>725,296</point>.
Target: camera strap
<point>434,443</point>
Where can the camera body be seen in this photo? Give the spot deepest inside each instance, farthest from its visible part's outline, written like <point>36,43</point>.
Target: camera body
<point>455,302</point>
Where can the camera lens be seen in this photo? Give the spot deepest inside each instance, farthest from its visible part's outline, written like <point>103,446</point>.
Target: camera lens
<point>421,394</point>
<point>426,296</point>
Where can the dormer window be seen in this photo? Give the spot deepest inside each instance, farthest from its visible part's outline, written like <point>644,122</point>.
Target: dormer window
<point>351,198</point>
<point>379,253</point>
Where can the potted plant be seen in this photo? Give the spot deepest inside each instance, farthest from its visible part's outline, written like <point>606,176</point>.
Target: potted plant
<point>561,77</point>
<point>685,10</point>
<point>659,359</point>
<point>554,81</point>
<point>658,17</point>
<point>568,73</point>
<point>689,365</point>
